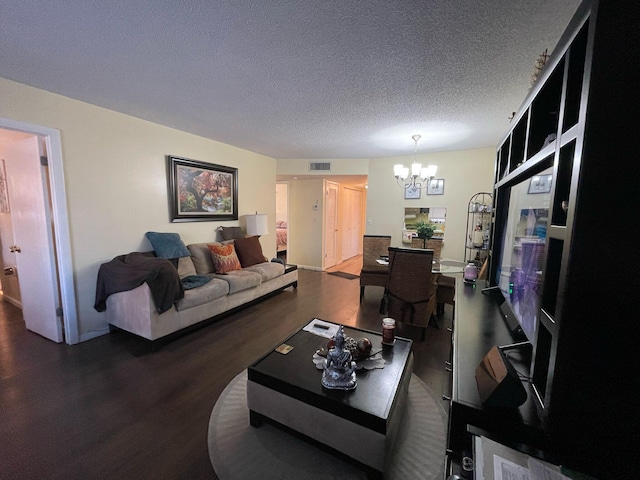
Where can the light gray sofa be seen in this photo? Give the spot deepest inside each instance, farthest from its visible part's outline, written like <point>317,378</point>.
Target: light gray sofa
<point>134,310</point>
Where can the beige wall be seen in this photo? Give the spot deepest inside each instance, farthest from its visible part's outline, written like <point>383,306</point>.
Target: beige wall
<point>282,201</point>
<point>305,223</point>
<point>115,176</point>
<point>465,173</point>
<point>340,166</point>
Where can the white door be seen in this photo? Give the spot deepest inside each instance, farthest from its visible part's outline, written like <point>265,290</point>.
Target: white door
<point>331,225</point>
<point>33,242</point>
<point>351,222</point>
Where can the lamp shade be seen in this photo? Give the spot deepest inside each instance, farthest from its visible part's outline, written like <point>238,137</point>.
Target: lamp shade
<point>257,224</point>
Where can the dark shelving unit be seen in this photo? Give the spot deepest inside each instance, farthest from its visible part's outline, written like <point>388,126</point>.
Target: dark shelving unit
<point>578,123</point>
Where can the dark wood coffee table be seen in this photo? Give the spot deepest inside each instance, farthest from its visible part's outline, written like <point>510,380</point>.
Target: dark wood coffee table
<point>360,424</point>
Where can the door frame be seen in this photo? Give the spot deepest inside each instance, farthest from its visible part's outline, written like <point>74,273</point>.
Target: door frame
<point>60,221</point>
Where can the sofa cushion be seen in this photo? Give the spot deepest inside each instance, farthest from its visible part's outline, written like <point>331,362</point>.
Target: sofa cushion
<point>267,270</point>
<point>201,258</point>
<point>167,245</point>
<point>229,233</point>
<point>249,251</point>
<point>224,258</point>
<point>186,267</point>
<point>239,280</point>
<point>212,290</point>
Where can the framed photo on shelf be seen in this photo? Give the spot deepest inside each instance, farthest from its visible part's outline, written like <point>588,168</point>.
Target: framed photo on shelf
<point>540,184</point>
<point>411,192</point>
<point>436,186</point>
<point>200,191</point>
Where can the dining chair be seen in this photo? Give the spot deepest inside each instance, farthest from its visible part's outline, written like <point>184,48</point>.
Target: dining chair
<point>410,295</point>
<point>374,274</point>
<point>434,244</point>
<point>446,294</point>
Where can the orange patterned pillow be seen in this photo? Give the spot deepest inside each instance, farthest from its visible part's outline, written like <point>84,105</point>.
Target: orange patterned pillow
<point>224,258</point>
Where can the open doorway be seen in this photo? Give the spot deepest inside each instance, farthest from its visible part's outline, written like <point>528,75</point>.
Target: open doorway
<point>34,240</point>
<point>282,219</point>
<point>320,234</point>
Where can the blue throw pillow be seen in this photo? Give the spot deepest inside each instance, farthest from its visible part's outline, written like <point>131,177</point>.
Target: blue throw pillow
<point>193,281</point>
<point>167,245</point>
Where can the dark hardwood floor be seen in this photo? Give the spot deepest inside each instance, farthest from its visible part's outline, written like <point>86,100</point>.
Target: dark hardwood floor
<point>109,408</point>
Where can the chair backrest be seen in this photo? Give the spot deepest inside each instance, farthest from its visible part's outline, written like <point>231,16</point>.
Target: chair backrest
<point>431,244</point>
<point>417,242</point>
<point>410,285</point>
<point>373,246</point>
<point>410,272</point>
<point>436,246</point>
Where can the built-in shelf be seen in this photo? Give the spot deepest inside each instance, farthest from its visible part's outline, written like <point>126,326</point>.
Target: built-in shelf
<point>576,123</point>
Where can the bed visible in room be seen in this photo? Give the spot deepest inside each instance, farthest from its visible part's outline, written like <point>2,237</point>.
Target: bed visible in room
<point>281,235</point>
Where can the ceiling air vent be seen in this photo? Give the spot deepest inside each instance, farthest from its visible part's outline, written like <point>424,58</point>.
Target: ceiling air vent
<point>319,166</point>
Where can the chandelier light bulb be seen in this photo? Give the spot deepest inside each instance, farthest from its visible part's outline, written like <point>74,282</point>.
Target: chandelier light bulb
<point>420,175</point>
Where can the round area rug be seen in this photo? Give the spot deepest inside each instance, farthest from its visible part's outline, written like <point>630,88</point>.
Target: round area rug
<point>239,451</point>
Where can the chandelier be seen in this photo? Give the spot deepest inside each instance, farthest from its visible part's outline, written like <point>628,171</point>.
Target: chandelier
<point>420,176</point>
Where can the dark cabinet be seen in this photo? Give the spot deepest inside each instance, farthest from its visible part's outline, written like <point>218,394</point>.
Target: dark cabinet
<point>576,126</point>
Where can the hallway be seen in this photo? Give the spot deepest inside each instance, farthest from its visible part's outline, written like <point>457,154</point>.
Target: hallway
<point>352,265</point>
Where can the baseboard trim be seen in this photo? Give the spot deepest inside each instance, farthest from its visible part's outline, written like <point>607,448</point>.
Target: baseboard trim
<point>93,334</point>
<point>309,267</point>
<point>10,300</point>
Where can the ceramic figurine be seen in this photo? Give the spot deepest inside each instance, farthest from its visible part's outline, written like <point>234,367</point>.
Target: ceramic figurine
<point>339,369</point>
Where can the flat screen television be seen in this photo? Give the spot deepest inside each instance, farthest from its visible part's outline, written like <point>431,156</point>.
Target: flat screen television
<point>521,236</point>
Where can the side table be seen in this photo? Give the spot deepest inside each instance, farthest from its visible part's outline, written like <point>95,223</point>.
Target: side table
<point>289,267</point>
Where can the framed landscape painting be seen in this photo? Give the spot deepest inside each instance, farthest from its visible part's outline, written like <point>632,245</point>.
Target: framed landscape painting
<point>200,191</point>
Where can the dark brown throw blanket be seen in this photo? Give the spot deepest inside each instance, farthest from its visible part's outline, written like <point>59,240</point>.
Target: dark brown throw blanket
<point>126,272</point>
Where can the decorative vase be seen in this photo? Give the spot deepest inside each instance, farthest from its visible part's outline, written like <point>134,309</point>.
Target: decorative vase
<point>470,273</point>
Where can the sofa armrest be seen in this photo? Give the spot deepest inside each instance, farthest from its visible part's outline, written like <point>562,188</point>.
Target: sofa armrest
<point>135,311</point>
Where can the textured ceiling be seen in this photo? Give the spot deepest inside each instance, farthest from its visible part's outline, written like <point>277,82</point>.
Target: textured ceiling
<point>292,78</point>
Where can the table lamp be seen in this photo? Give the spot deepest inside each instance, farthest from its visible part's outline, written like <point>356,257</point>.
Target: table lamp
<point>257,224</point>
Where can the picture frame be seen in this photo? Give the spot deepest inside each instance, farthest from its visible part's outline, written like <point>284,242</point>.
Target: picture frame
<point>201,191</point>
<point>412,193</point>
<point>435,186</point>
<point>540,184</point>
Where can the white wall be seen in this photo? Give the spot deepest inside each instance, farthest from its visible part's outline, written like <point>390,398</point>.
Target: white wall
<point>116,182</point>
